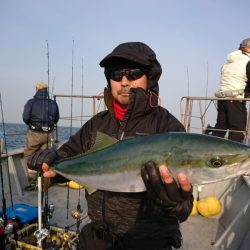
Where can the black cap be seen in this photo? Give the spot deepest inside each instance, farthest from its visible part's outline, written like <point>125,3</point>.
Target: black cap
<point>135,53</point>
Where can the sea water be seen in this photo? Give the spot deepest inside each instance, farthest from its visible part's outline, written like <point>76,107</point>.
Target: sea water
<point>15,134</point>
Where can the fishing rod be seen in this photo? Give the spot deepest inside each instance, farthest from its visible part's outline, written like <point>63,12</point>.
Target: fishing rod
<point>48,59</point>
<point>6,153</point>
<point>72,85</point>
<point>78,211</point>
<point>45,221</point>
<point>4,216</point>
<point>71,119</point>
<point>82,95</point>
<point>53,85</point>
<point>76,214</point>
<point>45,192</point>
<point>206,92</point>
<point>52,96</point>
<point>12,224</point>
<point>71,115</point>
<point>42,232</point>
<point>49,144</point>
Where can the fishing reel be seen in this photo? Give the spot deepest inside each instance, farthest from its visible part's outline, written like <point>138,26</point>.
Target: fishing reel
<point>68,241</point>
<point>1,226</point>
<point>9,229</point>
<point>64,239</point>
<point>41,234</point>
<point>76,214</point>
<point>12,226</point>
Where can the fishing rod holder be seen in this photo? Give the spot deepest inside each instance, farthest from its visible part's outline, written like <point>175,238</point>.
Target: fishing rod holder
<point>53,238</point>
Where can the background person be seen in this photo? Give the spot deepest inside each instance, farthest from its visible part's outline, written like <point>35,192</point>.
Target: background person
<point>41,114</point>
<point>144,220</point>
<point>235,82</point>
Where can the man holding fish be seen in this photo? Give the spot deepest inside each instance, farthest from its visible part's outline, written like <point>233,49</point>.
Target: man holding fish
<point>120,218</point>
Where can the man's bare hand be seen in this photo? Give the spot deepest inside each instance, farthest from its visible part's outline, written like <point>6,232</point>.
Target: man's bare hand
<point>48,173</point>
<point>167,178</point>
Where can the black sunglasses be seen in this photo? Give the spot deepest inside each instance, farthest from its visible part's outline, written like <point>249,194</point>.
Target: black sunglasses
<point>131,74</point>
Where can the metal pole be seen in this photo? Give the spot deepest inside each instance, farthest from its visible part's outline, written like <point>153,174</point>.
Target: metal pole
<point>39,184</point>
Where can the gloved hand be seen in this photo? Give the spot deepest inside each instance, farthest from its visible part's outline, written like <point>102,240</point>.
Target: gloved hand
<point>168,197</point>
<point>36,160</point>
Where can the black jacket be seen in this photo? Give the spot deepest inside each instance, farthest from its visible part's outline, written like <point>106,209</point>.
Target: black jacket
<point>40,112</point>
<point>131,216</point>
<point>128,213</point>
<point>247,89</point>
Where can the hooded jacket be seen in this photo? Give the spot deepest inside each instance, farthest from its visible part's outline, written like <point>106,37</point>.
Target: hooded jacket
<point>130,214</point>
<point>41,113</point>
<point>234,74</point>
<point>121,213</point>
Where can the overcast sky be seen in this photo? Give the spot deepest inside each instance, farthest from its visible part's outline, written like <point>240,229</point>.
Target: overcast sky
<point>190,37</point>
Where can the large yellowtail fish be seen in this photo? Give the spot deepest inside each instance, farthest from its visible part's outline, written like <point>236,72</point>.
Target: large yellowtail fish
<point>115,165</point>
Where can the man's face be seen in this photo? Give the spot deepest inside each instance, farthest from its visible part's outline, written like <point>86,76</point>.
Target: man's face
<point>247,49</point>
<point>122,80</point>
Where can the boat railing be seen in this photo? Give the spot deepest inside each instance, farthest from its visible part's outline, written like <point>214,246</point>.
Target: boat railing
<point>14,164</point>
<point>87,107</point>
<point>197,108</point>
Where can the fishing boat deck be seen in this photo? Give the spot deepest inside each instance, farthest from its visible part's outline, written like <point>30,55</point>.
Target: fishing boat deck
<point>57,195</point>
<point>218,232</point>
<point>229,230</point>
<point>202,237</point>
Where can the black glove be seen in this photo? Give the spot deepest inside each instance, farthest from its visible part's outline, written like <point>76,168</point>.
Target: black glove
<point>36,160</point>
<point>170,197</point>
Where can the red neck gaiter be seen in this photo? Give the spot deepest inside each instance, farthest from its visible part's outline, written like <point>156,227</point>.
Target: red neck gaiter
<point>119,110</point>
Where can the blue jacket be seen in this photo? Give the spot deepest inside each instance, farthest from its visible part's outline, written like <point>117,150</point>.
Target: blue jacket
<point>41,113</point>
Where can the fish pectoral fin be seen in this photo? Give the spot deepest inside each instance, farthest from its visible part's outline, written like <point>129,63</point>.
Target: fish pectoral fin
<point>102,141</point>
<point>176,153</point>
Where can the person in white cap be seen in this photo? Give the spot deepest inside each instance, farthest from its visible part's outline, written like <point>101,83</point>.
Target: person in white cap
<point>41,114</point>
<point>235,82</point>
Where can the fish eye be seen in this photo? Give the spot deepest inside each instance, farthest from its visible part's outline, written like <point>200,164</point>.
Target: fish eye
<point>215,162</point>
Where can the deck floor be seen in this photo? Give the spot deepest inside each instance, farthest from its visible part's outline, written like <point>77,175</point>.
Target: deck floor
<point>58,197</point>
<point>199,233</point>
<point>202,236</point>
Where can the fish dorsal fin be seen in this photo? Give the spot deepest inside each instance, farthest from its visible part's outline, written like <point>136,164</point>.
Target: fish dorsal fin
<point>102,141</point>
